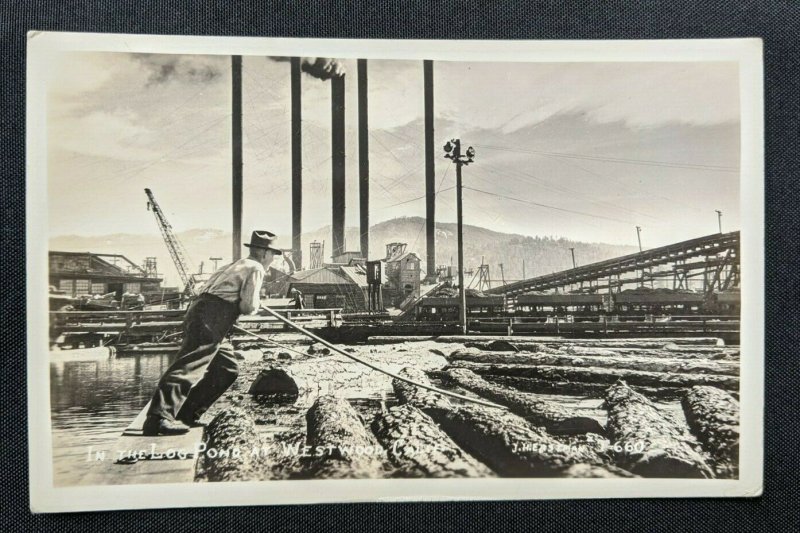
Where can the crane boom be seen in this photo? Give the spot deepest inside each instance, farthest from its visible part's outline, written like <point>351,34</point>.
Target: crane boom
<point>176,250</point>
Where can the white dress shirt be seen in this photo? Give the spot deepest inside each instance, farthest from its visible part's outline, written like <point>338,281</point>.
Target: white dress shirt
<point>239,283</point>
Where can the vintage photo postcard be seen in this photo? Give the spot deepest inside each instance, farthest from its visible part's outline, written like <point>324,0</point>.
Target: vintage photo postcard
<point>269,271</point>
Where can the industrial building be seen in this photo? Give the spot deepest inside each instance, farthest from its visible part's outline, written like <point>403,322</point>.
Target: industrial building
<point>330,286</point>
<point>84,273</point>
<point>402,270</point>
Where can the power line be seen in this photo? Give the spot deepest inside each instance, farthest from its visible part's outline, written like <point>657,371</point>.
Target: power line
<point>645,162</point>
<point>417,198</point>
<point>603,204</point>
<point>548,206</point>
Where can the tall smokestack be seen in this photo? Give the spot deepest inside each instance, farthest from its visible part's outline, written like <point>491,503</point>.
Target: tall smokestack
<point>236,156</point>
<point>297,164</point>
<point>337,164</point>
<point>430,172</point>
<point>363,157</point>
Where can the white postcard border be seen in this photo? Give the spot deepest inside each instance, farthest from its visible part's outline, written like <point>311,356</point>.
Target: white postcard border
<point>45,498</point>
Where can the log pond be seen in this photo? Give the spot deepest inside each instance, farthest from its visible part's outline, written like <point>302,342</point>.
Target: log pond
<point>556,391</point>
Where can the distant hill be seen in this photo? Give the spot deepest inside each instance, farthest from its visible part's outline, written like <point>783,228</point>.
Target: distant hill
<point>541,255</point>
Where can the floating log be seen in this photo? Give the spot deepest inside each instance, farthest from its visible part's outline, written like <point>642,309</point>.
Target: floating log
<point>230,439</point>
<point>504,441</point>
<point>713,417</point>
<point>509,445</point>
<point>644,342</point>
<point>496,345</point>
<point>341,446</point>
<point>668,352</point>
<point>646,441</point>
<point>604,375</point>
<point>539,412</point>
<point>311,378</point>
<point>427,400</point>
<point>419,448</point>
<point>577,388</point>
<point>398,339</point>
<point>714,352</point>
<point>694,366</point>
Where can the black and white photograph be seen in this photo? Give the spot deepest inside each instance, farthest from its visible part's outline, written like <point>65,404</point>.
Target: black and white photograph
<point>289,270</point>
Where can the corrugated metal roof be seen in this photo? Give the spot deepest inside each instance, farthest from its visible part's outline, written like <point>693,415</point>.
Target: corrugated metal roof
<point>357,274</point>
<point>319,276</point>
<point>401,257</point>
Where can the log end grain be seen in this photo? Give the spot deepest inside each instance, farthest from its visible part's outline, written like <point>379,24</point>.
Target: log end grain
<point>275,380</point>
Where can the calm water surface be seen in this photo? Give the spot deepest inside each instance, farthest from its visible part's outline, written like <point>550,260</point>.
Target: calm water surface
<point>92,402</point>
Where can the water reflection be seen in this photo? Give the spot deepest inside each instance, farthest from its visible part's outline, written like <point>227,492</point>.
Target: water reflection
<point>92,402</point>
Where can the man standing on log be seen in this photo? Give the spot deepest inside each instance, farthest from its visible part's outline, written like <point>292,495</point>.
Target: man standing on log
<point>205,365</point>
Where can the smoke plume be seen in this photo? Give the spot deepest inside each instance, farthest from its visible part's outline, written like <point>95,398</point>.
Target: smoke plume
<point>322,68</point>
<point>163,69</point>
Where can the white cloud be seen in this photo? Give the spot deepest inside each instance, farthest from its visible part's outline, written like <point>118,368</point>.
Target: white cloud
<point>118,134</point>
<point>639,94</point>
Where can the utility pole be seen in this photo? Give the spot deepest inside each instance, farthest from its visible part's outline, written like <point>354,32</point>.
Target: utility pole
<point>719,219</point>
<point>297,161</point>
<point>502,274</point>
<point>453,152</point>
<point>236,156</point>
<point>363,157</point>
<point>216,262</point>
<point>572,251</point>
<point>639,237</point>
<point>430,165</point>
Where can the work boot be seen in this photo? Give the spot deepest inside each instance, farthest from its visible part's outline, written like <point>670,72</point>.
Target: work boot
<point>155,425</point>
<point>190,417</point>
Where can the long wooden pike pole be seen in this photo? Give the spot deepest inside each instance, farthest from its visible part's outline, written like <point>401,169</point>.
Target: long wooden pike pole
<point>265,339</point>
<point>322,341</point>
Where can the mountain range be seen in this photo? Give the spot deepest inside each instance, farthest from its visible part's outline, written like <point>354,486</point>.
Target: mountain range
<point>536,255</point>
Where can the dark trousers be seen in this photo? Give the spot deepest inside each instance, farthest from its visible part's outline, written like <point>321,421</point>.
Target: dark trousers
<point>205,365</point>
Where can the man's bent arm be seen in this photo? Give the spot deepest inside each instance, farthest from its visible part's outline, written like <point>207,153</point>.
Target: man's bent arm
<point>250,295</point>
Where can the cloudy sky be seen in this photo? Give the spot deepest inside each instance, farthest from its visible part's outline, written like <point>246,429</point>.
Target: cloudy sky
<point>585,151</point>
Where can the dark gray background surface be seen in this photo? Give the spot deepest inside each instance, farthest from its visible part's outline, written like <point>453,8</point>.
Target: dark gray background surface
<point>777,22</point>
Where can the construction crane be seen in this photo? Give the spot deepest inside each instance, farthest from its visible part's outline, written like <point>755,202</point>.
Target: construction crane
<point>176,249</point>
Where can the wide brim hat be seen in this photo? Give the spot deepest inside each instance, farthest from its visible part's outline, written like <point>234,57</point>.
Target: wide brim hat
<point>263,239</point>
